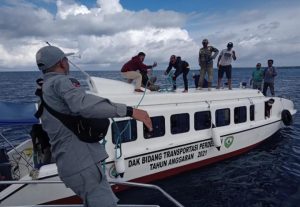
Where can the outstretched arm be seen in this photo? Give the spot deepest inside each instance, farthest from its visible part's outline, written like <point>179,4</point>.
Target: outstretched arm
<point>168,69</point>
<point>142,116</point>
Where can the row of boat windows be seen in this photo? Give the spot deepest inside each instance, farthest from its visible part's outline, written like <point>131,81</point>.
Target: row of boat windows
<point>180,123</point>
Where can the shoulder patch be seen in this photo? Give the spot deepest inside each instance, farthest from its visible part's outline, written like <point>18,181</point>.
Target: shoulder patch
<point>75,82</point>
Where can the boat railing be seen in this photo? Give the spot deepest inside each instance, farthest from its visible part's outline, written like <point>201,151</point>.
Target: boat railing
<point>124,183</point>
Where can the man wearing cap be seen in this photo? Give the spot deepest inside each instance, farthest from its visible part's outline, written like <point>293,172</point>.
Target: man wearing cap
<point>224,64</point>
<point>78,162</point>
<point>205,60</point>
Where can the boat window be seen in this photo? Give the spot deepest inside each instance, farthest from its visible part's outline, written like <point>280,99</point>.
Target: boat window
<point>222,117</point>
<point>180,123</point>
<point>252,112</point>
<point>240,114</point>
<point>124,130</point>
<point>202,120</point>
<point>158,123</point>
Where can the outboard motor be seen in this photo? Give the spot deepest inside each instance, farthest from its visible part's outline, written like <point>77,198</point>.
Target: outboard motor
<point>5,168</point>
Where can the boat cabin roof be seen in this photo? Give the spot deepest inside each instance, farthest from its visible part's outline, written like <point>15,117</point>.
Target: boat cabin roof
<point>123,92</point>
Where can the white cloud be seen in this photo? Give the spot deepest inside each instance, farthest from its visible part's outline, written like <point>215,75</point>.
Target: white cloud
<point>108,35</point>
<point>64,9</point>
<point>109,6</point>
<point>257,34</point>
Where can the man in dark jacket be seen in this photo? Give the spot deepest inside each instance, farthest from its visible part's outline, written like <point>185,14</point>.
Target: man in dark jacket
<point>181,66</point>
<point>129,70</point>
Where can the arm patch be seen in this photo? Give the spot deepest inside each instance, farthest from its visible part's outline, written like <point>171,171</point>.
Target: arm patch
<point>75,82</point>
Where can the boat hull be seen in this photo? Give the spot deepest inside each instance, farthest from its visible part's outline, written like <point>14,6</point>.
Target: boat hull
<point>151,166</point>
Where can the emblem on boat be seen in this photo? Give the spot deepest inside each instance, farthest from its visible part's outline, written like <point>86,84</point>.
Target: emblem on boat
<point>228,141</point>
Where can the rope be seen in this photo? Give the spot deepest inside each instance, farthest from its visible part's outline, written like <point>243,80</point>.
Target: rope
<point>118,141</point>
<point>118,144</point>
<point>170,83</point>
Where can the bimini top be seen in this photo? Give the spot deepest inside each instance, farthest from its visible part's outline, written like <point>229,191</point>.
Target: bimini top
<point>17,113</point>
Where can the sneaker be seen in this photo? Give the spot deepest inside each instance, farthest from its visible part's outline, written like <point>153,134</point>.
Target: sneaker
<point>139,90</point>
<point>199,88</point>
<point>185,91</point>
<point>209,89</point>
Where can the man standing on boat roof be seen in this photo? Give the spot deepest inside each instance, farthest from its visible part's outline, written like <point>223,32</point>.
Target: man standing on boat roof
<point>130,70</point>
<point>205,60</point>
<point>257,77</point>
<point>78,163</point>
<point>269,77</point>
<point>181,66</point>
<point>224,64</point>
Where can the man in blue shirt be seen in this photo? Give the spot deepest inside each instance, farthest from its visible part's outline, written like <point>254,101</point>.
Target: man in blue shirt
<point>269,76</point>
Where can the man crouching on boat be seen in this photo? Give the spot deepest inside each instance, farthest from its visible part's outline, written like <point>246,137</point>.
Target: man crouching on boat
<point>78,162</point>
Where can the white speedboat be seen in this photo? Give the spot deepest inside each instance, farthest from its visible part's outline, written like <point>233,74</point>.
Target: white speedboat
<point>190,130</point>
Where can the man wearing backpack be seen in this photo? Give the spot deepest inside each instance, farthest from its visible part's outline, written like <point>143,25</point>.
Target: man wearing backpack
<point>78,162</point>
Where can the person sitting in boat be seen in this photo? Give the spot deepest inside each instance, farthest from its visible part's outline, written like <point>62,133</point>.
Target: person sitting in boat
<point>41,146</point>
<point>181,66</point>
<point>224,64</point>
<point>78,161</point>
<point>130,70</point>
<point>269,76</point>
<point>257,77</point>
<point>149,83</point>
<point>196,81</point>
<point>40,139</point>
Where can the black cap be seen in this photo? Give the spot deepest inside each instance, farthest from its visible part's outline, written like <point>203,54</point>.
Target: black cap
<point>230,44</point>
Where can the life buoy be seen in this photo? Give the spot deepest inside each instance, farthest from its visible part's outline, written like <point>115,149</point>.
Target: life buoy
<point>286,117</point>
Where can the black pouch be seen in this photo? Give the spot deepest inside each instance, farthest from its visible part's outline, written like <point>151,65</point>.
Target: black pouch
<point>89,130</point>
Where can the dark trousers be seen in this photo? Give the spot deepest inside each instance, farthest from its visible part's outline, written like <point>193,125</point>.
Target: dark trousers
<point>144,78</point>
<point>185,71</point>
<point>266,85</point>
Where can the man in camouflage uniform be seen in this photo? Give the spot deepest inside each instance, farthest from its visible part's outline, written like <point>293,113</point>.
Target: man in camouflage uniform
<point>205,60</point>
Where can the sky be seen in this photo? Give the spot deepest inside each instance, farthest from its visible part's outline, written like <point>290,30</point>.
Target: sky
<point>105,34</point>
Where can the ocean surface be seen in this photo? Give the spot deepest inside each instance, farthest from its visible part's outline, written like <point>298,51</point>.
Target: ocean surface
<point>266,176</point>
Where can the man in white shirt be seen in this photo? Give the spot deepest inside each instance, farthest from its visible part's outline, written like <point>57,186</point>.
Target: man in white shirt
<point>224,64</point>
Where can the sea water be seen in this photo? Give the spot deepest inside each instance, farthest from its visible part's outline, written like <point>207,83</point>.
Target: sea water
<point>266,176</point>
